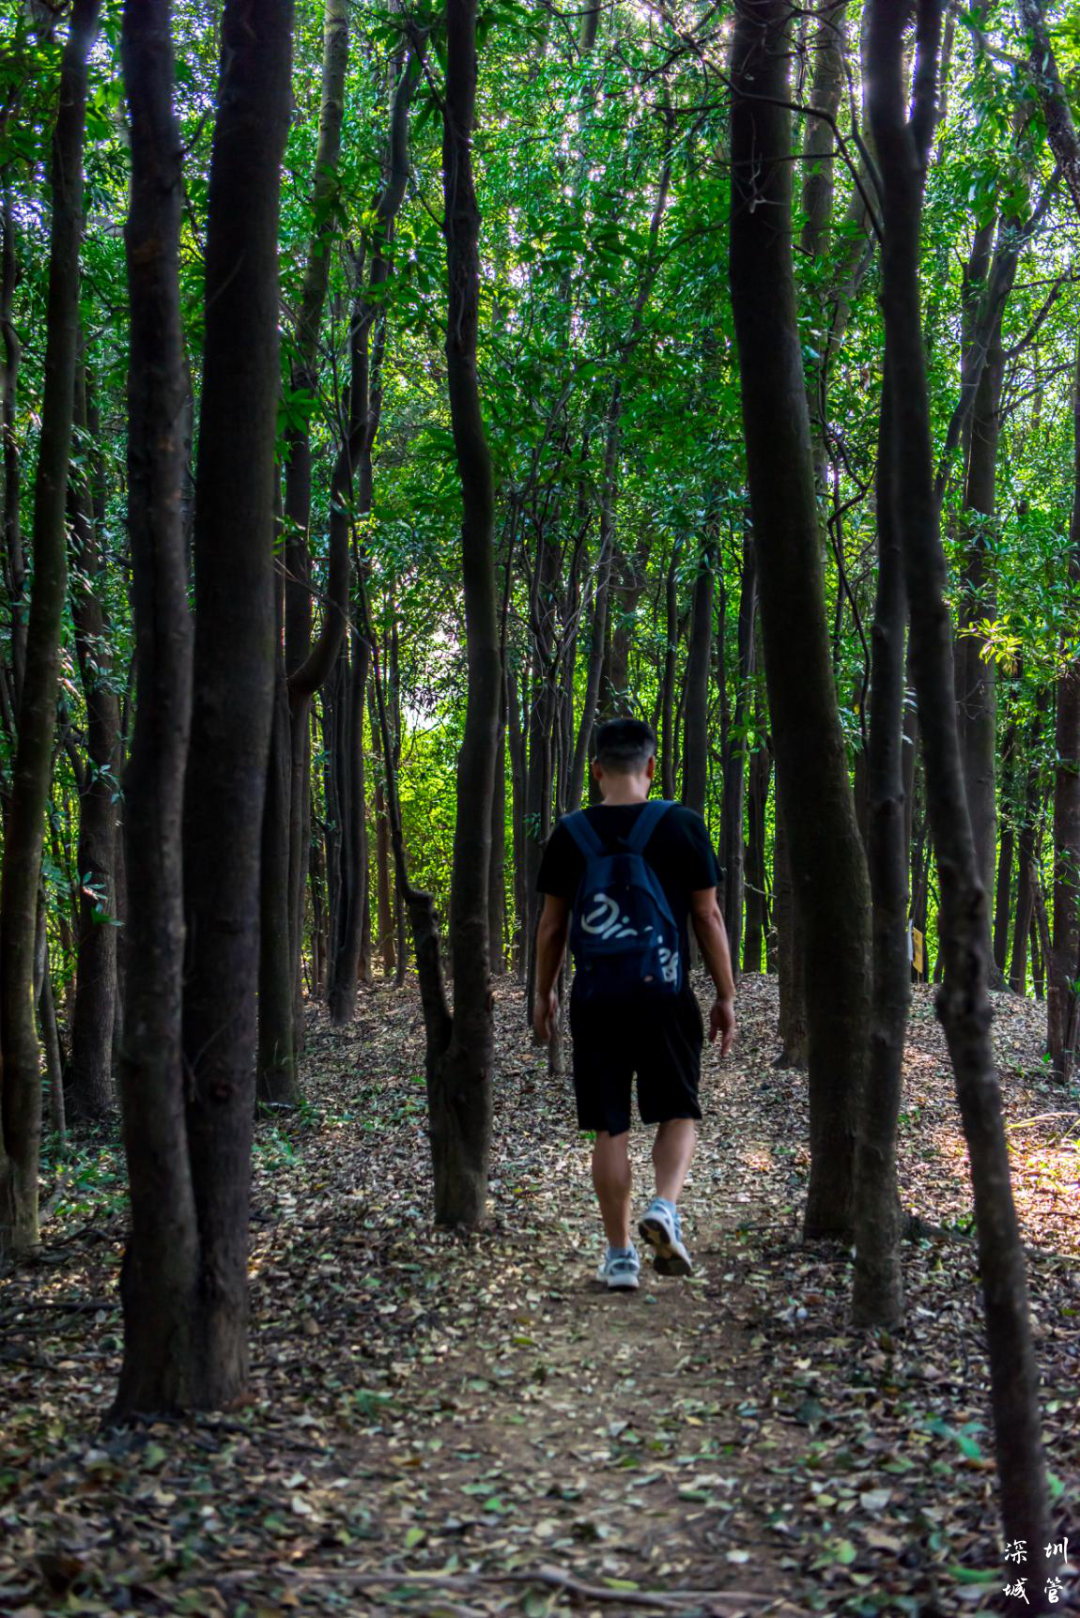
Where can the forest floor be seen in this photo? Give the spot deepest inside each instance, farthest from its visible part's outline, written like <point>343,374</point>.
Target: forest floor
<point>467,1428</point>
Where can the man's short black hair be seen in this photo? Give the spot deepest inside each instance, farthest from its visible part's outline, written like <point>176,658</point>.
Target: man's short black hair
<point>624,746</point>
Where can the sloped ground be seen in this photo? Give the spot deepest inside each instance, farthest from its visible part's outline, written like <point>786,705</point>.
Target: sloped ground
<point>442,1427</point>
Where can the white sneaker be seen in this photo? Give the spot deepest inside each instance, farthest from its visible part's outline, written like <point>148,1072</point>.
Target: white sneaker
<point>621,1272</point>
<point>660,1228</point>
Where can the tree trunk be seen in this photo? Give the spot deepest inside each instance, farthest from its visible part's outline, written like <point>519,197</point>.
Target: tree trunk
<point>696,710</point>
<point>732,843</point>
<point>383,889</point>
<point>963,1005</point>
<point>14,559</point>
<point>542,712</point>
<point>1006,854</point>
<point>284,878</point>
<point>90,1084</point>
<point>460,1077</point>
<point>878,1293</point>
<point>1026,853</point>
<point>346,938</point>
<point>600,619</point>
<point>757,910</point>
<point>812,777</point>
<point>159,1280</point>
<point>790,953</point>
<point>233,666</point>
<point>497,876</point>
<point>1061,996</point>
<point>518,774</point>
<point>276,1077</point>
<point>667,684</point>
<point>20,1086</point>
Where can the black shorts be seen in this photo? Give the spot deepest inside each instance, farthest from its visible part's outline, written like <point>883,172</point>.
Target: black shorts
<point>660,1043</point>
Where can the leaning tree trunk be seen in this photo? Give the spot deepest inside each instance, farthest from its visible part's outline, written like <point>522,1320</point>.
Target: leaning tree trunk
<point>812,777</point>
<point>233,665</point>
<point>460,1079</point>
<point>1061,999</point>
<point>963,1002</point>
<point>24,832</point>
<point>161,1264</point>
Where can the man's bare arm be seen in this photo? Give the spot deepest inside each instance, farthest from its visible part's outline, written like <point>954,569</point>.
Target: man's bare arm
<point>551,936</point>
<point>711,935</point>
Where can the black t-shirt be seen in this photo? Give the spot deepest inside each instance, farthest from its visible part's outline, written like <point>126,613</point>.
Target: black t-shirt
<point>679,851</point>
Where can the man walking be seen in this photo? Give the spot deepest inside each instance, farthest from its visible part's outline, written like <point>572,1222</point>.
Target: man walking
<point>622,880</point>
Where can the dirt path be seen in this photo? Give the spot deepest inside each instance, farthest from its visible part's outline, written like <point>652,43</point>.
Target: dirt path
<point>428,1412</point>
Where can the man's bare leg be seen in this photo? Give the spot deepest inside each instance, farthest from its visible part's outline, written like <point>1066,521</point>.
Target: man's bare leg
<point>611,1178</point>
<point>672,1150</point>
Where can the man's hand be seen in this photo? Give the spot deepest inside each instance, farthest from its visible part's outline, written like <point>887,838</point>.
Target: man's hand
<point>722,1023</point>
<point>545,1016</point>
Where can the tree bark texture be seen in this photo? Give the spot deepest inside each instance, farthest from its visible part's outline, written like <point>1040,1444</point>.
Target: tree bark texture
<point>812,778</point>
<point>461,1094</point>
<point>20,1085</point>
<point>963,1004</point>
<point>160,1275</point>
<point>233,664</point>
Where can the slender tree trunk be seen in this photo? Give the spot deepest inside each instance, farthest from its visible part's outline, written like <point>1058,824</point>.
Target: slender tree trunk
<point>790,953</point>
<point>542,711</point>
<point>345,951</point>
<point>878,1295</point>
<point>233,666</point>
<point>284,879</point>
<point>460,1077</point>
<point>819,816</point>
<point>1061,996</point>
<point>817,202</point>
<point>50,1036</point>
<point>383,890</point>
<point>732,843</point>
<point>963,1005</point>
<point>1026,852</point>
<point>160,1274</point>
<point>20,1085</point>
<point>757,918</point>
<point>276,1078</point>
<point>497,877</point>
<point>517,815</point>
<point>90,1084</point>
<point>14,560</point>
<point>696,711</point>
<point>599,633</point>
<point>667,686</point>
<point>1006,854</point>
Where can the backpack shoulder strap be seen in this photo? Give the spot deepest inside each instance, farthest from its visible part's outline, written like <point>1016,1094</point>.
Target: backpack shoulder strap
<point>577,824</point>
<point>647,822</point>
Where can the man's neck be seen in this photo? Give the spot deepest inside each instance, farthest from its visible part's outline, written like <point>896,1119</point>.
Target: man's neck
<point>623,790</point>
